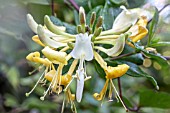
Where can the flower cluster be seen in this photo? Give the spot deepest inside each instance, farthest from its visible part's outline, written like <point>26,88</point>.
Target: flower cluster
<point>59,47</point>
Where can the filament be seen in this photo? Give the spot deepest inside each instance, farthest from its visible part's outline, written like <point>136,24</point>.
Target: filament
<point>27,94</point>
<point>118,95</point>
<point>45,93</point>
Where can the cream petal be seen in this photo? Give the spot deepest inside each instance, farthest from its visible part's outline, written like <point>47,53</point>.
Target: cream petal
<point>117,49</point>
<point>55,56</point>
<point>124,19</point>
<point>80,85</point>
<point>46,39</point>
<point>80,80</point>
<point>32,24</point>
<point>83,47</point>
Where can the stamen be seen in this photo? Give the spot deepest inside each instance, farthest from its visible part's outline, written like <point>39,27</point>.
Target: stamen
<point>65,89</point>
<point>27,94</point>
<point>87,78</point>
<point>36,69</point>
<point>77,76</point>
<point>64,49</point>
<point>73,107</point>
<point>84,69</point>
<point>45,93</point>
<point>59,72</point>
<point>68,57</point>
<point>118,95</point>
<point>30,73</point>
<point>110,92</point>
<point>62,109</point>
<point>72,67</point>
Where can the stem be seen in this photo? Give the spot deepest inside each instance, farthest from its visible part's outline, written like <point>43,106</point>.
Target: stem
<point>52,7</point>
<point>74,4</point>
<point>160,11</point>
<point>135,108</point>
<point>167,57</point>
<point>124,55</point>
<point>119,85</point>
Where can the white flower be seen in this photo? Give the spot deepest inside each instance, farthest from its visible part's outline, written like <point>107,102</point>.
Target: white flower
<point>83,50</point>
<point>124,20</point>
<point>83,47</point>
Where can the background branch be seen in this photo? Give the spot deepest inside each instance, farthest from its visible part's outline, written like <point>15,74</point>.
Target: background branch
<point>74,4</point>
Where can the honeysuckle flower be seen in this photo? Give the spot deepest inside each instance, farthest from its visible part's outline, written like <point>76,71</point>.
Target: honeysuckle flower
<point>111,73</point>
<point>123,22</point>
<point>139,30</point>
<point>83,50</point>
<point>59,47</point>
<point>64,80</point>
<point>117,49</point>
<point>46,37</point>
<point>55,56</point>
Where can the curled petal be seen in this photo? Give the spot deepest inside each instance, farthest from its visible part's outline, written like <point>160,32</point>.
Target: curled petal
<point>44,37</point>
<point>117,49</point>
<point>124,19</point>
<point>32,55</point>
<point>139,30</point>
<point>37,40</point>
<point>83,47</point>
<point>55,56</point>
<point>114,72</point>
<point>32,24</point>
<point>55,29</point>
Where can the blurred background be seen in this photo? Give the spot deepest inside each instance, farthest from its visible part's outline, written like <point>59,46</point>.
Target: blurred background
<point>16,44</point>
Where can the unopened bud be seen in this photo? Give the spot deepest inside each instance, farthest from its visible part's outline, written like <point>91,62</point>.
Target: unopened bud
<point>82,16</point>
<point>97,33</point>
<point>92,19</point>
<point>99,22</point>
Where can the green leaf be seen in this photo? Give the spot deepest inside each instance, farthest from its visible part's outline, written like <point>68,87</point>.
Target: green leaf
<point>125,100</point>
<point>38,11</point>
<point>13,76</point>
<point>99,70</point>
<point>135,3</point>
<point>153,26</point>
<point>154,56</point>
<point>136,71</point>
<point>56,21</point>
<point>10,100</point>
<point>160,44</point>
<point>119,2</point>
<point>157,57</point>
<point>149,98</point>
<point>95,3</point>
<point>84,4</point>
<point>76,17</point>
<point>69,28</point>
<point>136,58</point>
<point>109,13</point>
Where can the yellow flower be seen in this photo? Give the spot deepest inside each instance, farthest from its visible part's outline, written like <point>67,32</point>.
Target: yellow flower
<point>111,73</point>
<point>139,30</point>
<point>115,72</point>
